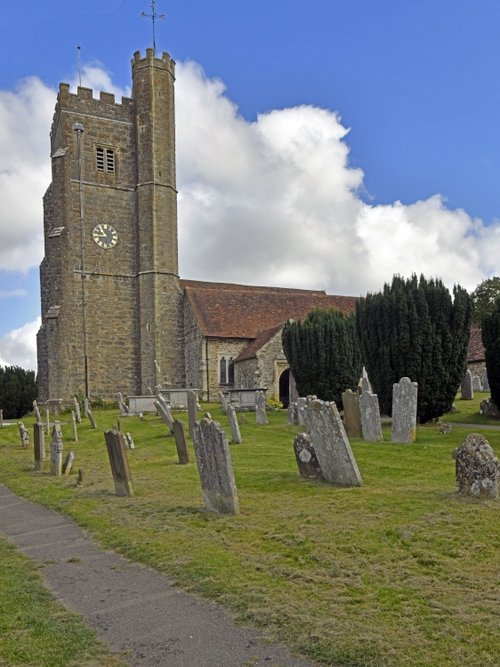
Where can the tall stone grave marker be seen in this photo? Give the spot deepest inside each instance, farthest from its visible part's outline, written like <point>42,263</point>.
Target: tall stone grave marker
<point>306,458</point>
<point>233,423</point>
<point>484,381</point>
<point>192,402</point>
<point>404,411</point>
<point>466,387</point>
<point>75,428</point>
<point>24,435</point>
<point>215,468</point>
<point>180,442</point>
<point>301,406</point>
<point>77,409</point>
<point>292,416</point>
<point>90,416</point>
<point>117,453</point>
<point>165,414</point>
<point>56,450</point>
<point>370,417</point>
<point>476,383</point>
<point>39,440</point>
<point>260,407</point>
<point>477,468</point>
<point>122,405</point>
<point>352,414</point>
<point>331,444</point>
<point>36,411</point>
<point>223,402</point>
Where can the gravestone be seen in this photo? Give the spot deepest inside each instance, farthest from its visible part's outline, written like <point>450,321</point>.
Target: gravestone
<point>371,426</point>
<point>56,450</point>
<point>331,444</point>
<point>292,416</point>
<point>129,441</point>
<point>484,380</point>
<point>165,414</point>
<point>466,387</point>
<point>122,405</point>
<point>215,467</point>
<point>24,435</point>
<point>117,453</point>
<point>445,429</point>
<point>77,410</point>
<point>36,412</point>
<point>477,468</point>
<point>352,414</point>
<point>68,463</point>
<point>301,405</point>
<point>306,458</point>
<point>233,423</point>
<point>192,401</point>
<point>75,428</point>
<point>90,416</point>
<point>223,402</point>
<point>364,383</point>
<point>86,406</point>
<point>180,442</point>
<point>260,408</point>
<point>39,441</point>
<point>476,383</point>
<point>404,411</point>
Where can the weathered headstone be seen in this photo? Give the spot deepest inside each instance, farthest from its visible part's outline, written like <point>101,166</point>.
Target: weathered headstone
<point>68,463</point>
<point>477,468</point>
<point>39,441</point>
<point>75,428</point>
<point>445,429</point>
<point>292,415</point>
<point>487,407</point>
<point>165,414</point>
<point>180,442</point>
<point>364,383</point>
<point>77,409</point>
<point>352,414</point>
<point>331,444</point>
<point>129,441</point>
<point>91,416</point>
<point>476,383</point>
<point>122,405</point>
<point>301,406</point>
<point>484,381</point>
<point>86,406</point>
<point>24,435</point>
<point>260,407</point>
<point>118,460</point>
<point>56,450</point>
<point>192,401</point>
<point>370,417</point>
<point>79,479</point>
<point>306,458</point>
<point>215,467</point>
<point>233,423</point>
<point>466,387</point>
<point>36,412</point>
<point>404,411</point>
<point>223,402</point>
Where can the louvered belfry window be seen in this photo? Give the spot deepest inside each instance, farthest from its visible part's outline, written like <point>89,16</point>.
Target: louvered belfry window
<point>105,160</point>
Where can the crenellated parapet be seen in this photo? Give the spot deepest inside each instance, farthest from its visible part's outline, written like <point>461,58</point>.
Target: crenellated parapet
<point>165,62</point>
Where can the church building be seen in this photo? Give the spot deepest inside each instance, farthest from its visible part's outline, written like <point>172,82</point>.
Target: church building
<point>116,316</point>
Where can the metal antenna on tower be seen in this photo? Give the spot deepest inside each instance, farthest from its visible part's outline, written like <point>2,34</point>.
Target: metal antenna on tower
<point>154,17</point>
<point>78,51</point>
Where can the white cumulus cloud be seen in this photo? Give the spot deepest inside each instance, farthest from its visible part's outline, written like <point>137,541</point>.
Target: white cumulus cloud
<point>18,347</point>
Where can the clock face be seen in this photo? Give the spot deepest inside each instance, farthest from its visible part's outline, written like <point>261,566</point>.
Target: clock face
<point>105,235</point>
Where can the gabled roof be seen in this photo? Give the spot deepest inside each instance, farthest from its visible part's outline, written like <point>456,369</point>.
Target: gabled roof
<point>224,310</point>
<point>258,343</point>
<point>475,351</point>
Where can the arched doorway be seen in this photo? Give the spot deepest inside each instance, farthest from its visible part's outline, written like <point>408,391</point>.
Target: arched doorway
<point>285,387</point>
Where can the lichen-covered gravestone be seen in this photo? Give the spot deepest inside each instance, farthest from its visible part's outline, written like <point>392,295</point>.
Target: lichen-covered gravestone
<point>352,414</point>
<point>233,423</point>
<point>331,444</point>
<point>301,405</point>
<point>404,411</point>
<point>117,454</point>
<point>260,408</point>
<point>292,416</point>
<point>306,458</point>
<point>215,468</point>
<point>165,414</point>
<point>466,387</point>
<point>370,417</point>
<point>477,468</point>
<point>56,450</point>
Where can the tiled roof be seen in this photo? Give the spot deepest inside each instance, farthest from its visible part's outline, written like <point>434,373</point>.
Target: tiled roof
<point>476,347</point>
<point>262,338</point>
<point>225,310</point>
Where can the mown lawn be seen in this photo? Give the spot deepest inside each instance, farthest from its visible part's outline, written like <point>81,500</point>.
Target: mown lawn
<point>398,572</point>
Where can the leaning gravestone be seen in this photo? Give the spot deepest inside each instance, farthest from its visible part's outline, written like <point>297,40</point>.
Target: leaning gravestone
<point>223,402</point>
<point>90,416</point>
<point>235,427</point>
<point>306,458</point>
<point>56,450</point>
<point>370,417</point>
<point>36,411</point>
<point>122,405</point>
<point>68,463</point>
<point>215,467</point>
<point>117,453</point>
<point>404,411</point>
<point>24,435</point>
<point>129,441</point>
<point>180,442</point>
<point>466,387</point>
<point>477,468</point>
<point>192,402</point>
<point>165,414</point>
<point>75,428</point>
<point>484,381</point>
<point>77,409</point>
<point>39,441</point>
<point>331,444</point>
<point>352,414</point>
<point>260,407</point>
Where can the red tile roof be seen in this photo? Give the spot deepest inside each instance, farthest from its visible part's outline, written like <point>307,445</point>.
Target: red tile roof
<point>225,310</point>
<point>476,347</point>
<point>262,338</point>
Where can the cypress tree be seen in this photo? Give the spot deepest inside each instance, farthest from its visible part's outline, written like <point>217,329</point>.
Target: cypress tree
<point>413,328</point>
<point>490,331</point>
<point>18,390</point>
<point>323,353</point>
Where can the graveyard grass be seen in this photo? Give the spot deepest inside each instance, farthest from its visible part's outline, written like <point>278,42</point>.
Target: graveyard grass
<point>398,572</point>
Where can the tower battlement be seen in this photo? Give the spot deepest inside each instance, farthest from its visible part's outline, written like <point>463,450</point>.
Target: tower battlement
<point>165,62</point>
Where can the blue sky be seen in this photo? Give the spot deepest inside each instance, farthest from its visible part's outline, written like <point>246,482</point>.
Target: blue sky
<point>416,83</point>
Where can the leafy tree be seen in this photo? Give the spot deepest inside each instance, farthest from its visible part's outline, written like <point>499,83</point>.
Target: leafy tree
<point>490,331</point>
<point>414,329</point>
<point>484,297</point>
<point>18,390</point>
<point>323,353</point>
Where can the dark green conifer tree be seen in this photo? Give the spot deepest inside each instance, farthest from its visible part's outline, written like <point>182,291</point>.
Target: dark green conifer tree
<point>413,328</point>
<point>323,353</point>
<point>18,390</point>
<point>490,331</point>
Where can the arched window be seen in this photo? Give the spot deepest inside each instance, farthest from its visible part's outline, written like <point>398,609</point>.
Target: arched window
<point>230,371</point>
<point>223,371</point>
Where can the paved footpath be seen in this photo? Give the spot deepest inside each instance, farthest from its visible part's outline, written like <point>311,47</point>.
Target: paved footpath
<point>133,608</point>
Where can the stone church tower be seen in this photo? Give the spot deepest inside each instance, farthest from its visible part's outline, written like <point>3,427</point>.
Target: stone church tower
<point>110,293</point>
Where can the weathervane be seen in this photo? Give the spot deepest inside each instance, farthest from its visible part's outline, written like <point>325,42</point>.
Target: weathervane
<point>154,17</point>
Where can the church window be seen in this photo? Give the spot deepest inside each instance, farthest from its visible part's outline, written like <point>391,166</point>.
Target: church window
<point>226,371</point>
<point>105,160</point>
<point>230,371</point>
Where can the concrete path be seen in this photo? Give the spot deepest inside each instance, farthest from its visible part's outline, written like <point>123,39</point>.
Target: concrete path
<point>133,608</point>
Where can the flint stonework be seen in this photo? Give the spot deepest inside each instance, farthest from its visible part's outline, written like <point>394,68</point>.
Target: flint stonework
<point>352,414</point>
<point>180,442</point>
<point>466,387</point>
<point>331,444</point>
<point>192,401</point>
<point>370,417</point>
<point>235,427</point>
<point>215,468</point>
<point>39,441</point>
<point>404,411</point>
<point>260,408</point>
<point>477,468</point>
<point>306,458</point>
